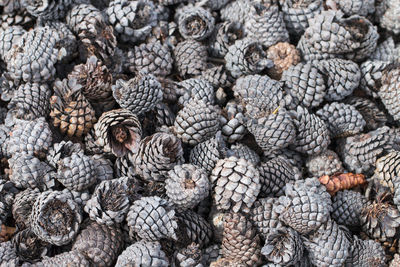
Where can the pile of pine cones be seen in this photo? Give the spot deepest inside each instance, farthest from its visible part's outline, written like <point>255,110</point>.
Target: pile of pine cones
<point>200,133</point>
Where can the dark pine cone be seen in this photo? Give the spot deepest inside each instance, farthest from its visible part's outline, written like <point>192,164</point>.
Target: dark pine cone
<point>143,253</point>
<point>190,57</point>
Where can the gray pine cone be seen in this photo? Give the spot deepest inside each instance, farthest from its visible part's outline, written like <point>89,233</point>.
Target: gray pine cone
<point>195,23</point>
<point>50,10</point>
<point>387,170</point>
<point>65,259</point>
<point>195,89</point>
<point>233,128</point>
<point>193,228</point>
<point>8,255</point>
<point>366,253</point>
<point>347,207</point>
<point>326,163</point>
<point>22,207</point>
<point>190,57</point>
<point>28,246</point>
<point>143,253</point>
<point>9,37</point>
<point>242,151</point>
<point>226,33</point>
<point>388,92</point>
<point>371,76</point>
<point>190,256</point>
<point>357,7</point>
<point>263,216</point>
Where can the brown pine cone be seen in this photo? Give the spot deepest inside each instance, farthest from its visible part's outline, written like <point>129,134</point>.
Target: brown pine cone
<point>283,55</point>
<point>341,181</point>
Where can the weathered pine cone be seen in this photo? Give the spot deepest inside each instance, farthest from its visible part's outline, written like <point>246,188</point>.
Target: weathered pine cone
<point>366,253</point>
<point>22,207</point>
<point>226,33</point>
<point>50,10</point>
<point>326,163</point>
<point>28,246</point>
<point>388,93</point>
<point>195,23</point>
<point>190,57</point>
<point>193,228</point>
<point>347,207</point>
<point>242,151</point>
<point>263,216</point>
<point>143,253</point>
<point>195,89</point>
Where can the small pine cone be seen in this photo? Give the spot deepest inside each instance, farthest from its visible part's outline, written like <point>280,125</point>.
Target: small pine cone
<point>246,56</point>
<point>328,246</point>
<point>263,216</point>
<point>143,253</point>
<point>152,218</point>
<point>31,101</point>
<point>387,170</point>
<point>341,181</point>
<point>343,76</point>
<point>238,11</point>
<point>94,77</point>
<point>341,119</point>
<point>8,254</point>
<point>347,206</point>
<point>371,76</point>
<point>358,7</point>
<point>195,89</point>
<point>32,137</point>
<point>275,174</point>
<point>284,55</point>
<point>217,76</point>
<point>233,128</point>
<point>207,153</point>
<point>379,220</point>
<point>99,243</point>
<point>260,95</point>
<point>157,155</point>
<point>366,253</point>
<point>360,152</point>
<point>8,38</point>
<point>240,240</point>
<point>55,218</point>
<point>28,171</point>
<point>369,110</point>
<point>275,131</point>
<point>386,51</point>
<point>388,91</point>
<point>103,167</point>
<point>267,26</point>
<point>390,19</point>
<point>236,184</point>
<point>28,246</point>
<point>305,84</point>
<point>109,202</point>
<point>61,150</point>
<point>132,20</point>
<point>242,151</point>
<point>186,186</point>
<point>197,122</point>
<point>22,207</point>
<point>150,58</point>
<point>191,256</point>
<point>283,246</point>
<point>65,259</point>
<point>211,254</point>
<point>195,23</point>
<point>226,33</point>
<point>33,57</point>
<point>312,133</point>
<point>193,228</point>
<point>308,196</point>
<point>297,13</point>
<point>49,10</point>
<point>190,57</point>
<point>118,131</point>
<point>139,94</point>
<point>18,17</point>
<point>326,163</point>
<point>70,110</point>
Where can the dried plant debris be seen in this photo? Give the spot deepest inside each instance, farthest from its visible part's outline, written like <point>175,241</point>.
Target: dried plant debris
<point>199,133</point>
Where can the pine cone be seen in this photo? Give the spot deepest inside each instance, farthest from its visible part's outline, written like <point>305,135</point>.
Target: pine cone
<point>297,13</point>
<point>396,261</point>
<point>195,89</point>
<point>152,218</point>
<point>366,253</point>
<point>195,23</point>
<point>207,153</point>
<point>193,228</point>
<point>326,163</point>
<point>210,254</point>
<point>387,170</point>
<point>389,19</point>
<point>150,58</point>
<point>236,184</point>
<point>242,151</point>
<point>99,243</point>
<point>312,133</point>
<point>62,150</point>
<point>28,246</point>
<point>371,76</point>
<point>143,253</point>
<point>109,202</point>
<point>65,259</point>
<point>8,38</point>
<point>32,137</point>
<point>233,128</point>
<point>263,216</point>
<point>238,11</point>
<point>197,122</point>
<point>386,51</point>
<point>186,186</point>
<point>284,55</point>
<point>226,33</point>
<point>50,10</point>
<point>84,17</point>
<point>357,7</point>
<point>217,76</point>
<point>28,171</point>
<point>55,218</point>
<point>305,84</point>
<point>103,167</point>
<point>341,181</point>
<point>70,110</point>
<point>22,207</point>
<point>139,94</point>
<point>283,246</point>
<point>191,256</point>
<point>308,196</point>
<point>328,246</point>
<point>157,155</point>
<point>7,195</point>
<point>380,220</point>
<point>388,94</point>
<point>118,131</point>
<point>276,131</point>
<point>267,26</point>
<point>8,255</point>
<point>240,241</point>
<point>132,20</point>
<point>190,57</point>
<point>33,57</point>
<point>275,174</point>
<point>347,206</point>
<point>246,56</point>
<point>18,17</point>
